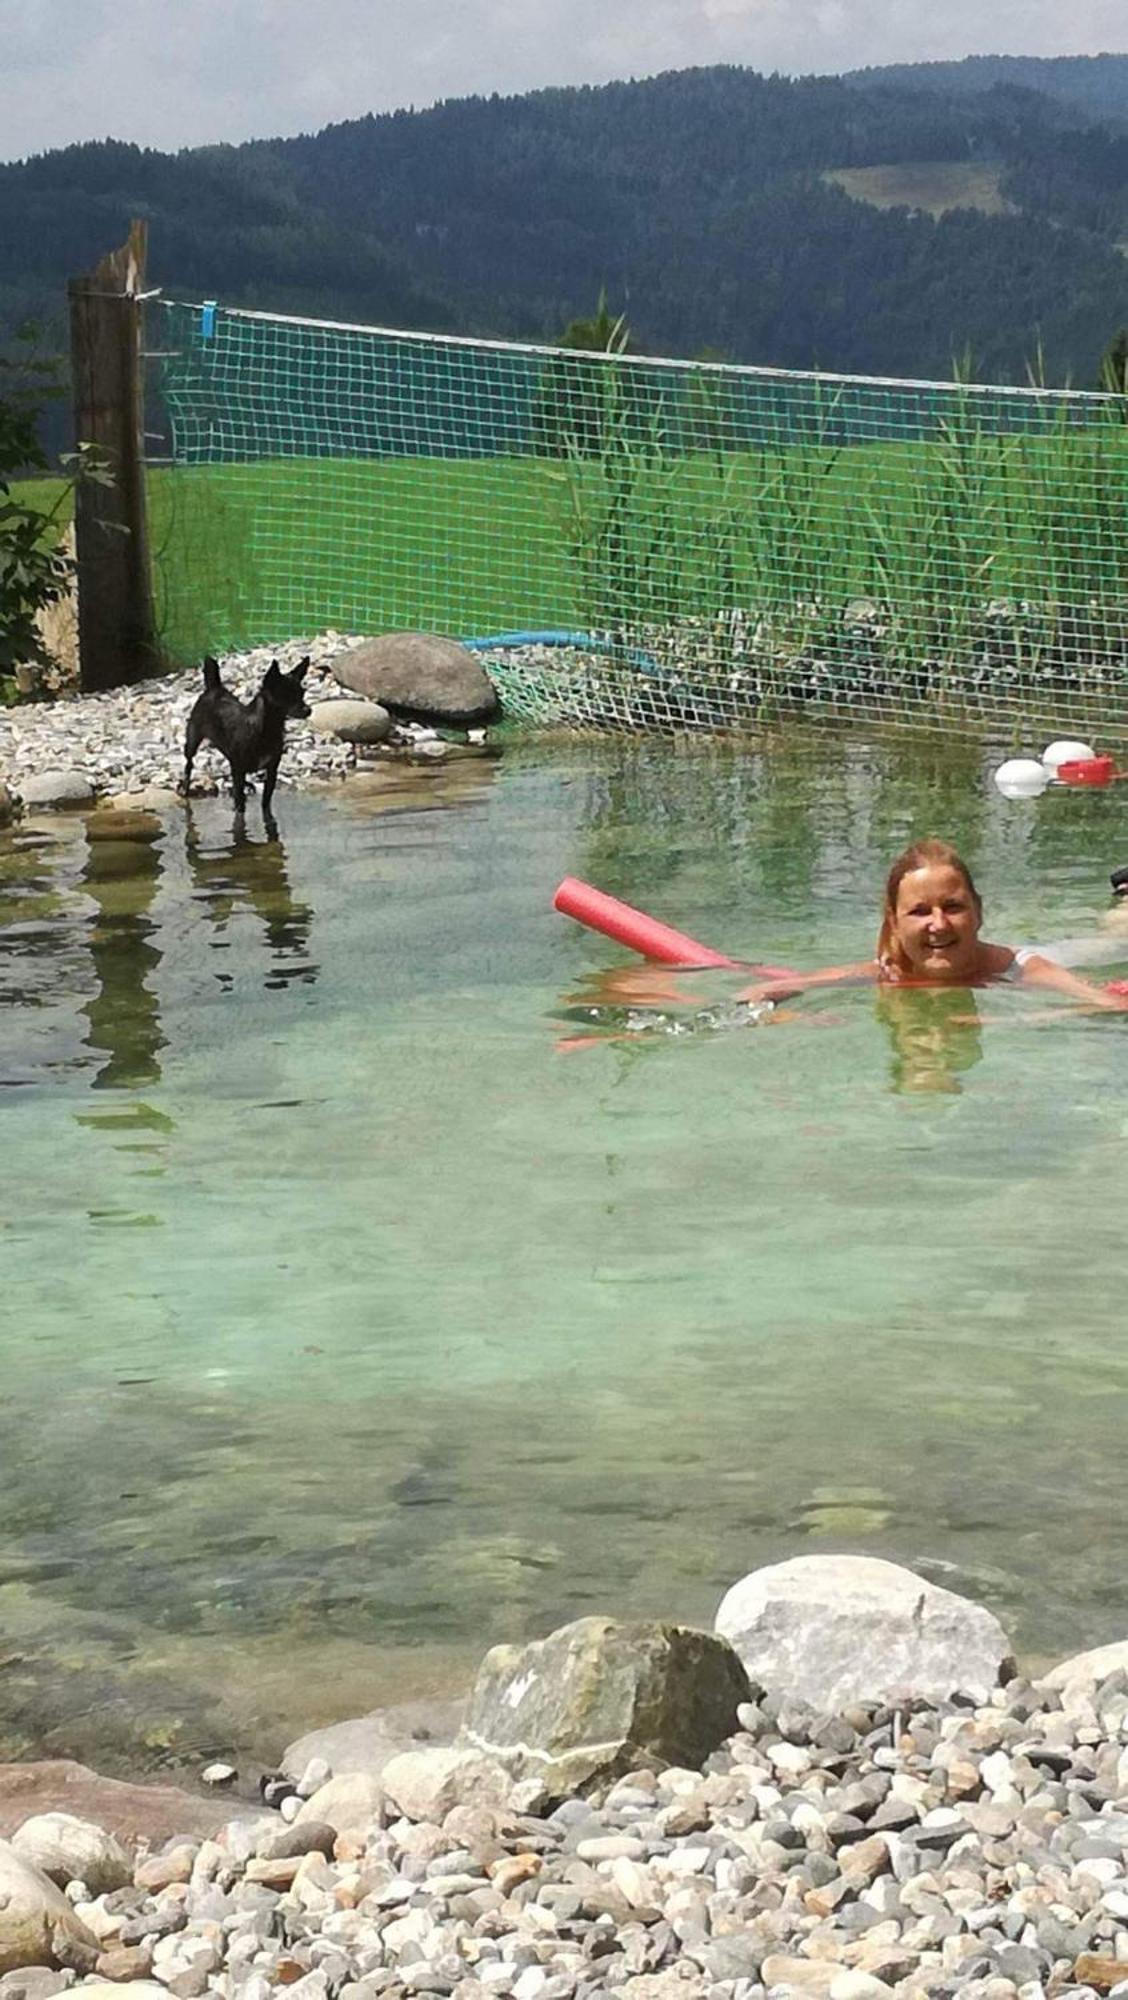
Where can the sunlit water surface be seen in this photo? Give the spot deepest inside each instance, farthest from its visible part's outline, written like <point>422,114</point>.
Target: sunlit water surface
<point>352,1324</point>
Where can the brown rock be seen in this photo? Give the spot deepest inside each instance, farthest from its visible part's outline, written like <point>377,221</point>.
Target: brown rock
<point>1094,1969</point>
<point>515,1868</point>
<point>135,1813</point>
<point>274,1874</point>
<point>127,1961</point>
<point>157,1871</point>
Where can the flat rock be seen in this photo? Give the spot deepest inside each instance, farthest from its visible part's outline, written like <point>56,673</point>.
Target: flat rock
<point>153,1813</point>
<point>115,823</point>
<point>57,788</point>
<point>831,1630</point>
<point>367,1743</point>
<point>37,1924</point>
<point>599,1697</point>
<point>420,677</point>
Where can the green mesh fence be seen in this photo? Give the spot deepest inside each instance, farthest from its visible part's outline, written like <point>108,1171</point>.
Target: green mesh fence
<point>663,543</point>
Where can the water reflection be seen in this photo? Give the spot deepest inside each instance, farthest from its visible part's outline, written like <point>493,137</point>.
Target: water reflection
<point>935,1037</point>
<point>121,875</point>
<point>234,874</point>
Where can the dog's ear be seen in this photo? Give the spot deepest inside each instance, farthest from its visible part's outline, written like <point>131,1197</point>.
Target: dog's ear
<point>272,674</point>
<point>211,672</point>
<point>299,671</point>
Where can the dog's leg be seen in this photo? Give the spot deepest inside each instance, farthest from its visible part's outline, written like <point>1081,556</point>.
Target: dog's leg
<point>269,780</point>
<point>239,787</point>
<point>193,737</point>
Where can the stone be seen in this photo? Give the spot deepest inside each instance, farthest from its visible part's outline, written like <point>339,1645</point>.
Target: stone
<point>348,1803</point>
<point>112,823</point>
<point>135,1813</point>
<point>8,807</point>
<point>34,1982</point>
<point>420,677</point>
<point>367,1742</point>
<point>1098,1970</point>
<point>598,1698</point>
<point>832,1630</point>
<point>351,721</point>
<point>67,1849</point>
<point>45,789</point>
<point>37,1924</point>
<point>131,1989</point>
<point>1087,1670</point>
<point>427,1784</point>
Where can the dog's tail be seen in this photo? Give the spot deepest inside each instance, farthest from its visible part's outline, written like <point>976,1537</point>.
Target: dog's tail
<point>211,675</point>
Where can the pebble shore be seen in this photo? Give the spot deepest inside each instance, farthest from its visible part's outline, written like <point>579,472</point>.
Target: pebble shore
<point>131,739</point>
<point>940,1850</point>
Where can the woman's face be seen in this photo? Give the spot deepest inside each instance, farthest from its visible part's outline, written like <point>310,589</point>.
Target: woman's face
<point>936,924</point>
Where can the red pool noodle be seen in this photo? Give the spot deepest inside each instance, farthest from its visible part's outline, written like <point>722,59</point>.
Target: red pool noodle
<point>639,932</point>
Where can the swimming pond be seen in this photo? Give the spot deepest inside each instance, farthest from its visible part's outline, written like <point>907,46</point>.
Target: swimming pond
<point>351,1325</point>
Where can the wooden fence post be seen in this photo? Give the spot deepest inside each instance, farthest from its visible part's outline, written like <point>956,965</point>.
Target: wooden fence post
<point>117,638</point>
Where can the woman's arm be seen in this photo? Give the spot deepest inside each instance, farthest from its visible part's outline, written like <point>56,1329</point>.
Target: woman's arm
<point>1038,971</point>
<point>864,974</point>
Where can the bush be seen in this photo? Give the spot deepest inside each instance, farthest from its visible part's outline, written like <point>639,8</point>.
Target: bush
<point>34,570</point>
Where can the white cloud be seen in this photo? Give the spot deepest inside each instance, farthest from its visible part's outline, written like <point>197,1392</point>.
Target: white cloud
<point>173,75</point>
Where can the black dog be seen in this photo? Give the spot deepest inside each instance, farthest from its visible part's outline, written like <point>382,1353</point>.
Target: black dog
<point>251,735</point>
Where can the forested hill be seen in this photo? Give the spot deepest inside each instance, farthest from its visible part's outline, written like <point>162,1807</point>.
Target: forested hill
<point>719,209</point>
<point>1097,85</point>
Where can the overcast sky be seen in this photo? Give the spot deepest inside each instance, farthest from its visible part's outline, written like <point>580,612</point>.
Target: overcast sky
<point>171,73</point>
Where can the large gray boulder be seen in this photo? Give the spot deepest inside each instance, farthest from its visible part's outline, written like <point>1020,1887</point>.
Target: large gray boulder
<point>835,1629</point>
<point>421,678</point>
<point>37,1924</point>
<point>597,1698</point>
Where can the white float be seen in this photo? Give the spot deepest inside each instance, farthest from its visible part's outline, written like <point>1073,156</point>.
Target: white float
<point>1022,778</point>
<point>1066,752</point>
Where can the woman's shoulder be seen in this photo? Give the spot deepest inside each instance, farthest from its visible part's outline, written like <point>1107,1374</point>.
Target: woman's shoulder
<point>1001,962</point>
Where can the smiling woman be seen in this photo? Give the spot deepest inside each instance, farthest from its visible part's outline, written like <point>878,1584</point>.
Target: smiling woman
<point>929,936</point>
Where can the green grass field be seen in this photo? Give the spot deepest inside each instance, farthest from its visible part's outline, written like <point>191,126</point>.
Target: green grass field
<point>931,532</point>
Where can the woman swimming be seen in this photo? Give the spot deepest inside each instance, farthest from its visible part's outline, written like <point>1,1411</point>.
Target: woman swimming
<point>929,936</point>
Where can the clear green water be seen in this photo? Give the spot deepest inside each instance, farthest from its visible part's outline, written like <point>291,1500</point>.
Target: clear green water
<point>350,1326</point>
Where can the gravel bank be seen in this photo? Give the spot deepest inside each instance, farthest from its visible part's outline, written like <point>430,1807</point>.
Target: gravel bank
<point>936,1851</point>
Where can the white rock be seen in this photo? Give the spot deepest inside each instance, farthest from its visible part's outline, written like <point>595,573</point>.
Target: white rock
<point>835,1629</point>
<point>351,721</point>
<point>1087,1670</point>
<point>56,788</point>
<point>317,1772</point>
<point>347,1803</point>
<point>219,1774</point>
<point>427,1784</point>
<point>68,1849</point>
<point>34,1916</point>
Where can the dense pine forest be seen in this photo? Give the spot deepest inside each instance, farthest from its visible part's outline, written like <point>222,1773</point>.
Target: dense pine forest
<point>701,201</point>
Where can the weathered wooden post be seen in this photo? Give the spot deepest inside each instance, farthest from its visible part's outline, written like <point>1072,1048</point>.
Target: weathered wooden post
<point>117,638</point>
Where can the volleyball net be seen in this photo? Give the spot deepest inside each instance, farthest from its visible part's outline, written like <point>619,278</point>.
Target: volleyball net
<point>649,543</point>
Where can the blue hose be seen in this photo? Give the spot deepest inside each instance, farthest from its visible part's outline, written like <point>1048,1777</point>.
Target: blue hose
<point>584,642</point>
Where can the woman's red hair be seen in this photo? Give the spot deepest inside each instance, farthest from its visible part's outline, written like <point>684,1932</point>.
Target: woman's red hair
<point>922,854</point>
